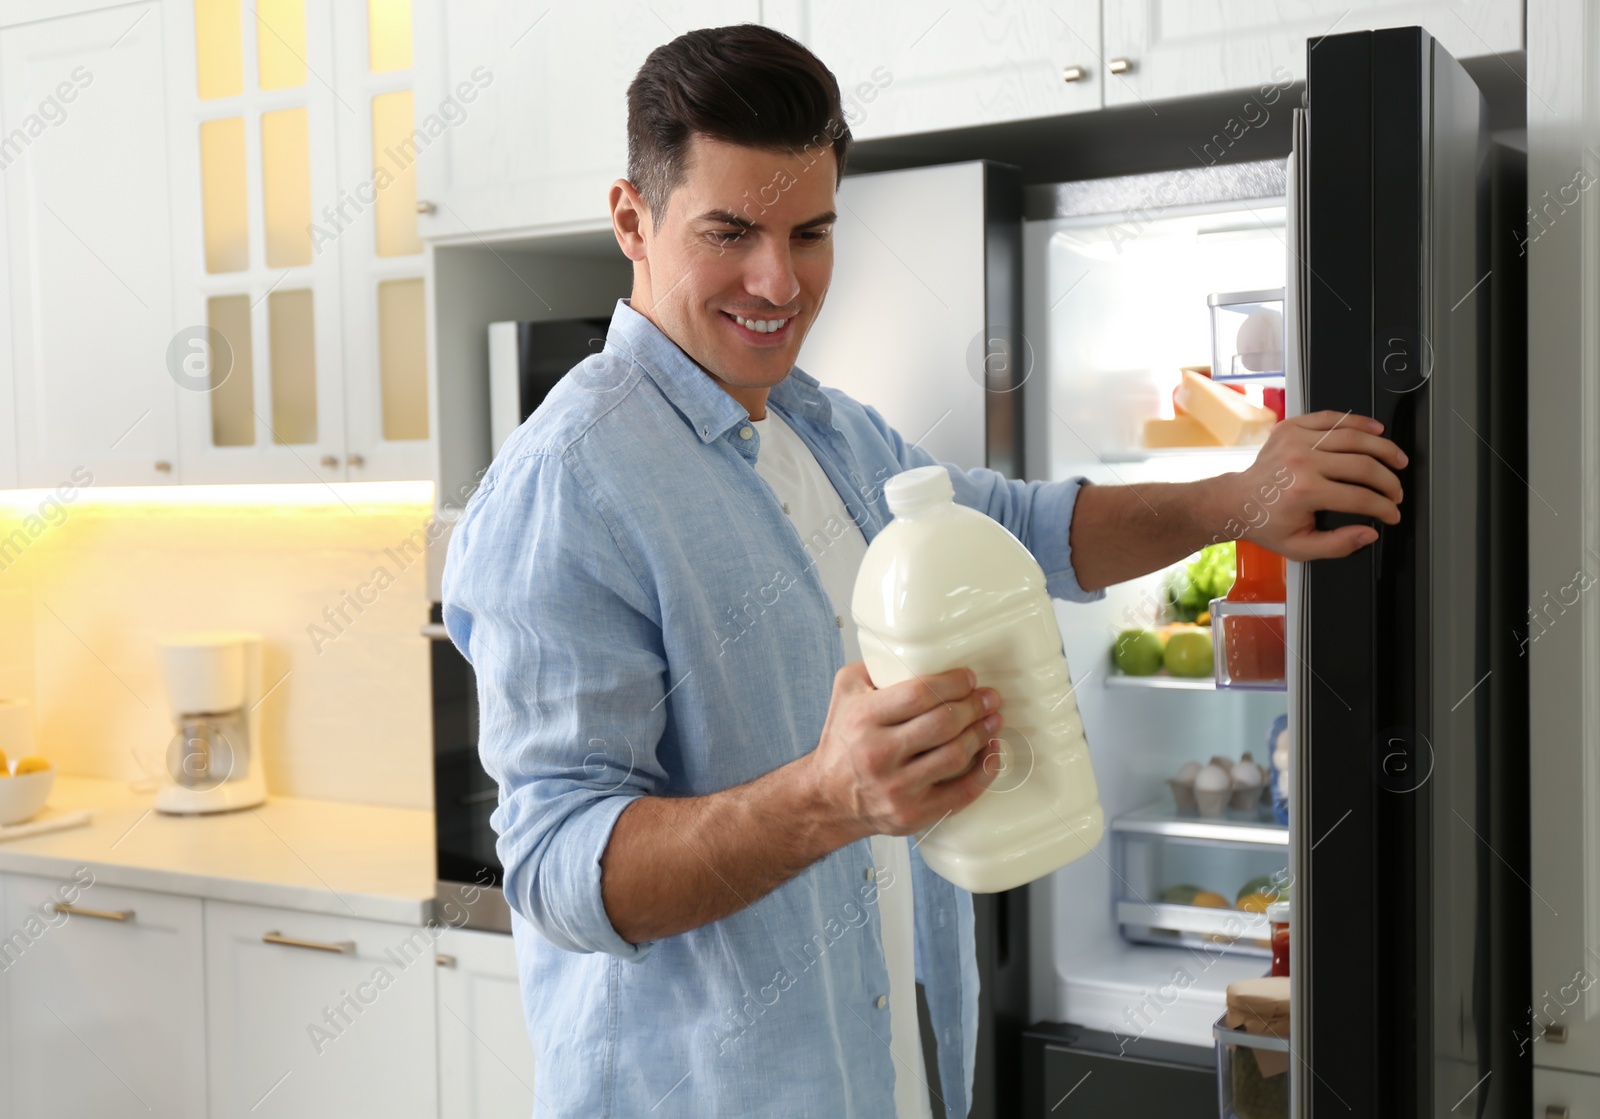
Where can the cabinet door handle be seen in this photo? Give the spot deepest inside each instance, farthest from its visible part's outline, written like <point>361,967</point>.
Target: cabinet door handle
<point>344,947</point>
<point>1556,1111</point>
<point>355,460</point>
<point>163,466</point>
<point>1120,65</point>
<point>424,207</point>
<point>444,959</point>
<point>102,914</point>
<point>1073,73</point>
<point>330,462</point>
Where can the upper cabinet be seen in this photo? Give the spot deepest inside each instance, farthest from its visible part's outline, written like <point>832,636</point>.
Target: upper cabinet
<point>87,286</point>
<point>299,349</point>
<point>526,104</point>
<point>908,67</point>
<point>1177,48</point>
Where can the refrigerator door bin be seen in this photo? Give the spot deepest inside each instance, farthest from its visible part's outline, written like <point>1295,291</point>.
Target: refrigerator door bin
<point>1246,335</point>
<point>1180,878</point>
<point>1242,1091</point>
<point>1249,646</point>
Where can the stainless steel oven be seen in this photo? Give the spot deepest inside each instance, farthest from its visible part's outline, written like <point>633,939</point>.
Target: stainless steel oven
<point>464,796</point>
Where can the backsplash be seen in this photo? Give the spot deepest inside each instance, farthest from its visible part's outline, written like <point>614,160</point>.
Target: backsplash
<point>334,578</point>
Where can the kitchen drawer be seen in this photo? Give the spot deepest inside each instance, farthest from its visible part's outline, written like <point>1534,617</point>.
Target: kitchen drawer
<point>1081,1074</point>
<point>105,1002</point>
<point>310,1015</point>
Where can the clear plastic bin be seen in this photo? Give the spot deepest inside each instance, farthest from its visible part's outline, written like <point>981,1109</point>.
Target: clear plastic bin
<point>1246,335</point>
<point>1249,644</point>
<point>1242,1091</point>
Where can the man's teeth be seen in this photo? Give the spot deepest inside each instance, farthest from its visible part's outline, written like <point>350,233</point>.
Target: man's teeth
<point>760,326</point>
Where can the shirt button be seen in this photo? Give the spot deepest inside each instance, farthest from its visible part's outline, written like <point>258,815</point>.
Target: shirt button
<point>746,432</point>
<point>786,509</point>
<point>838,621</point>
<point>869,874</point>
<point>883,1001</point>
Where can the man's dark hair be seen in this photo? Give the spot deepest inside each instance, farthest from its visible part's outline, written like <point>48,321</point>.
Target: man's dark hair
<point>747,85</point>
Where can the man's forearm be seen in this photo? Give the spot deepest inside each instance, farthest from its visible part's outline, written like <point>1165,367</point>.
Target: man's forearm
<point>676,863</point>
<point>1122,532</point>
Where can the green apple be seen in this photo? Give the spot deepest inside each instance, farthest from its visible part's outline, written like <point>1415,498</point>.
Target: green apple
<point>1189,653</point>
<point>1138,652</point>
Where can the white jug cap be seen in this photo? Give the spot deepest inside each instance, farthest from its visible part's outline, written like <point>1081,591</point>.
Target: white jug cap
<point>917,489</point>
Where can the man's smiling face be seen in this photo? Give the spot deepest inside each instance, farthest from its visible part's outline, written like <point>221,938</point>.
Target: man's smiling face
<point>737,270</point>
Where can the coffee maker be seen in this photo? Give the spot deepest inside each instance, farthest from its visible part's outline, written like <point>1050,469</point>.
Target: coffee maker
<point>214,694</point>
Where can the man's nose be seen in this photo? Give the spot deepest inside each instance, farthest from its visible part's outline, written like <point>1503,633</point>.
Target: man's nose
<point>771,273</point>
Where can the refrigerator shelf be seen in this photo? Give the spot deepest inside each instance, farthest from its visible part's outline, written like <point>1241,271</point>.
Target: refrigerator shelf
<point>1161,680</point>
<point>1163,818</point>
<point>1155,454</point>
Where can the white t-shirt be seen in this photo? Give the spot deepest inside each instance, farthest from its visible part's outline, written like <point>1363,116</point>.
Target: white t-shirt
<point>835,545</point>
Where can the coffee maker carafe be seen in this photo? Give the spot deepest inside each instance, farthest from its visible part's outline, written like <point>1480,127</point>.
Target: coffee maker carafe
<point>214,694</point>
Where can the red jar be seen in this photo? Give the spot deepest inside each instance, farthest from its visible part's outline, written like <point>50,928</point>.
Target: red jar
<point>1278,921</point>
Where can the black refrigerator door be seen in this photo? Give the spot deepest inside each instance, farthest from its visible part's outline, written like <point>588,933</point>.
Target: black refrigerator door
<point>1412,908</point>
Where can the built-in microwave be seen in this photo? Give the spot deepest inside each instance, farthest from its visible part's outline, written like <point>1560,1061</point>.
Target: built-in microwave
<point>526,359</point>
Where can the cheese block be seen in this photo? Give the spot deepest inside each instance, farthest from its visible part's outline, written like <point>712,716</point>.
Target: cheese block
<point>1232,419</point>
<point>1184,431</point>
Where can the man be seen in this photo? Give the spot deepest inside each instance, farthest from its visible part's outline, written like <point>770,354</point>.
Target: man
<point>703,800</point>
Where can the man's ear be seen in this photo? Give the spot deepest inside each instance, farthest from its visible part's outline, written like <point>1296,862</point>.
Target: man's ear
<point>629,219</point>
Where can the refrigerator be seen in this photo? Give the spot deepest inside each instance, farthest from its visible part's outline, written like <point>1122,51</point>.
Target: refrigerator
<point>1034,330</point>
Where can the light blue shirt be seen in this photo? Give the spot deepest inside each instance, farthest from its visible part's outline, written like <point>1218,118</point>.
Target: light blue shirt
<point>644,620</point>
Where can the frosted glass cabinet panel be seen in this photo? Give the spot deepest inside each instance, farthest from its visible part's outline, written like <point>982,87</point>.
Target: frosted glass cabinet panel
<point>225,194</point>
<point>219,48</point>
<point>286,186</point>
<point>281,43</point>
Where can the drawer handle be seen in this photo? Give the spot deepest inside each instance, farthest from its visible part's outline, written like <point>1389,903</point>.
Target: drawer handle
<point>444,959</point>
<point>1120,65</point>
<point>346,947</point>
<point>102,914</point>
<point>1073,73</point>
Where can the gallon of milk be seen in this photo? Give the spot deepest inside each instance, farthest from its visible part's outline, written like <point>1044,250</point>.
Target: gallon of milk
<point>943,587</point>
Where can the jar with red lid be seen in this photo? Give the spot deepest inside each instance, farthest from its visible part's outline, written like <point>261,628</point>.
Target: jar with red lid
<point>1278,922</point>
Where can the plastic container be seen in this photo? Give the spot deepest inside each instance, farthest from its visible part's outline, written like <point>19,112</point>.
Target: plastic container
<point>942,587</point>
<point>1247,624</point>
<point>1278,922</point>
<point>1246,335</point>
<point>1253,1054</point>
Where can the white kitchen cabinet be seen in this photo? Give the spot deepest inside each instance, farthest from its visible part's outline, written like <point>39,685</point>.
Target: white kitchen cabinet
<point>1565,1095</point>
<point>530,100</point>
<point>907,67</point>
<point>106,1009</point>
<point>1184,48</point>
<point>88,282</point>
<point>485,1058</point>
<point>310,1015</point>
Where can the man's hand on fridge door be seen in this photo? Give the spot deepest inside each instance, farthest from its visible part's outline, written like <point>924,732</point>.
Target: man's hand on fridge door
<point>1333,461</point>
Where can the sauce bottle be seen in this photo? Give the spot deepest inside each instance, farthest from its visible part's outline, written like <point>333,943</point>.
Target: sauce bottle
<point>1254,644</point>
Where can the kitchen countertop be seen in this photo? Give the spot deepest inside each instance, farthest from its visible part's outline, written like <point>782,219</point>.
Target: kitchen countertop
<point>316,856</point>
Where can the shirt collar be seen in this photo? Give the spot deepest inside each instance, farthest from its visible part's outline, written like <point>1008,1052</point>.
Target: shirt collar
<point>703,402</point>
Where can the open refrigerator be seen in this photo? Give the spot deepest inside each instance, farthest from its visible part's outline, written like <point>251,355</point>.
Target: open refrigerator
<point>1036,334</point>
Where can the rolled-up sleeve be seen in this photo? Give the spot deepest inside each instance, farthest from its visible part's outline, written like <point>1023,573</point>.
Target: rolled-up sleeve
<point>1037,513</point>
<point>567,650</point>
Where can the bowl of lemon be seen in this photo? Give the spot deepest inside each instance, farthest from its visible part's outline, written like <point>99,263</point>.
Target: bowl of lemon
<point>24,787</point>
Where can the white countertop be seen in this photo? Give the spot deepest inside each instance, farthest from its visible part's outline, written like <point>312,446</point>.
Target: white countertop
<point>312,855</point>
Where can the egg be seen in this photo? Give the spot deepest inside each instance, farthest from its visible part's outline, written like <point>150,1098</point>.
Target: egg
<point>1211,779</point>
<point>1259,342</point>
<point>1186,775</point>
<point>1247,774</point>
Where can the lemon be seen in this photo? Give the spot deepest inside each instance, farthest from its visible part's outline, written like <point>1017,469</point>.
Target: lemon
<point>33,763</point>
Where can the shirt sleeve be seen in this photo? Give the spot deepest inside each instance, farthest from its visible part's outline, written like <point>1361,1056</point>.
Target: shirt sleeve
<point>570,667</point>
<point>1037,513</point>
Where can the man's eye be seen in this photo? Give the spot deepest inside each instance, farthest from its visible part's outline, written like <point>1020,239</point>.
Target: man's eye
<point>726,236</point>
<point>814,235</point>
